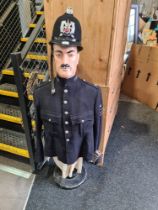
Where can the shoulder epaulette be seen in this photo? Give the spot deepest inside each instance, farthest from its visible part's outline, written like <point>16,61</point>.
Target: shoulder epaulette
<point>90,84</point>
<point>42,84</point>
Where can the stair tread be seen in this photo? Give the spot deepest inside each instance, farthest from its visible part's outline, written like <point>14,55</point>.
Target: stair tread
<point>13,138</point>
<point>35,56</point>
<point>8,87</point>
<point>26,72</point>
<point>33,25</point>
<point>36,53</point>
<point>37,40</point>
<point>10,110</point>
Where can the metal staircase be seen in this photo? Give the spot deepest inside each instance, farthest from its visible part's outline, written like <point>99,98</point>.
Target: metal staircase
<point>16,122</point>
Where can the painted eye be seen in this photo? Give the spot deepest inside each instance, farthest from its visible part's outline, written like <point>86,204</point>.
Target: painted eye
<point>58,55</point>
<point>71,55</point>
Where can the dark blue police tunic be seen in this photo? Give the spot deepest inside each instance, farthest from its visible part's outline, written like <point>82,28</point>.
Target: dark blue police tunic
<point>71,119</point>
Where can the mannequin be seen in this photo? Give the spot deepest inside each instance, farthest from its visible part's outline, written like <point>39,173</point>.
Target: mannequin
<point>69,108</point>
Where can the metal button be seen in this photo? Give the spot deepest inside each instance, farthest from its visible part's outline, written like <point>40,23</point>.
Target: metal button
<point>66,122</point>
<point>66,132</point>
<point>49,120</point>
<point>65,90</point>
<point>67,140</point>
<point>82,121</point>
<point>66,112</point>
<point>65,102</point>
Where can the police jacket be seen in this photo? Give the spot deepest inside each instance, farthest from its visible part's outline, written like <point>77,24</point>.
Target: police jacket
<point>71,119</point>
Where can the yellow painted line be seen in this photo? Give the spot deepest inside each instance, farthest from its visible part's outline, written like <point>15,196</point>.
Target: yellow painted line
<point>8,72</point>
<point>9,93</point>
<point>14,150</point>
<point>17,120</point>
<point>38,40</point>
<point>40,76</point>
<point>33,123</point>
<point>26,74</point>
<point>37,57</point>
<point>9,118</point>
<point>39,13</point>
<point>30,97</point>
<point>33,25</point>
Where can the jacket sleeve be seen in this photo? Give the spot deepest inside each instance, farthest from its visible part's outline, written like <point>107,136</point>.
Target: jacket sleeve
<point>97,119</point>
<point>39,151</point>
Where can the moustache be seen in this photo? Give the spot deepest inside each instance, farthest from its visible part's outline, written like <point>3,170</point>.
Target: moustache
<point>64,66</point>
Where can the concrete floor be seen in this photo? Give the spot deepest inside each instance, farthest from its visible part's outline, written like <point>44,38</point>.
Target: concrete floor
<point>17,180</point>
<point>15,185</point>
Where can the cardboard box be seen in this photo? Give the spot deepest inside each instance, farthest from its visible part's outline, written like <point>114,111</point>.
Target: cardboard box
<point>141,77</point>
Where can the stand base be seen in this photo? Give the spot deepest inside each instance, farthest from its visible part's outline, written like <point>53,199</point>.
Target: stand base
<point>69,183</point>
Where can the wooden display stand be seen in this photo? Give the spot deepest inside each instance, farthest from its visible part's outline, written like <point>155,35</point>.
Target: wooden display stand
<point>141,81</point>
<point>104,28</point>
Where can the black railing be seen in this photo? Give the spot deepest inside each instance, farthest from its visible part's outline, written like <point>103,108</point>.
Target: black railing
<point>17,59</point>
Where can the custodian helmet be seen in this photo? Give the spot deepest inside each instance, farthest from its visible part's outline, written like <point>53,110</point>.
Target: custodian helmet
<point>67,31</point>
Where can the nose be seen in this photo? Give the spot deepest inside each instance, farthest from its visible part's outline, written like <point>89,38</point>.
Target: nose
<point>65,59</point>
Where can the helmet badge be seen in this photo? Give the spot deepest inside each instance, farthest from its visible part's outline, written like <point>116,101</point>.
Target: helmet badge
<point>67,28</point>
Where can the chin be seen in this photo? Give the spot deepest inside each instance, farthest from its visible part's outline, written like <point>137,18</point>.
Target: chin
<point>65,76</point>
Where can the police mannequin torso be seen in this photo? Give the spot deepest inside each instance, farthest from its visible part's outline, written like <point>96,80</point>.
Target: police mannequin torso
<point>71,114</point>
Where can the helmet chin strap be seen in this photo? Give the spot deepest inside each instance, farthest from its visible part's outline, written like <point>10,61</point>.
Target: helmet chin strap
<point>51,74</point>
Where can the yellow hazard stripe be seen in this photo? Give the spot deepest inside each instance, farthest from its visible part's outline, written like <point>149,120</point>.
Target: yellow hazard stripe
<point>26,74</point>
<point>37,57</point>
<point>40,76</point>
<point>38,40</point>
<point>8,72</point>
<point>39,13</point>
<point>17,120</point>
<point>9,93</point>
<point>30,97</point>
<point>9,118</point>
<point>14,150</point>
<point>33,25</point>
<point>33,123</point>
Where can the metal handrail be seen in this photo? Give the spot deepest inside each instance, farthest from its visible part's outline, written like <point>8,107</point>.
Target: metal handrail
<point>32,38</point>
<point>17,59</point>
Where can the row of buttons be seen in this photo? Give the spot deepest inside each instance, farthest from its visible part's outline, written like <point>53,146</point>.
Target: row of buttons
<point>66,113</point>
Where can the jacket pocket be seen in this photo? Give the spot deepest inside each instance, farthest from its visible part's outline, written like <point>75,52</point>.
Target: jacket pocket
<point>52,125</point>
<point>50,118</point>
<point>82,120</point>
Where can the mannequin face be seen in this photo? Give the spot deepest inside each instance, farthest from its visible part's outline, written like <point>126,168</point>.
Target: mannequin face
<point>66,60</point>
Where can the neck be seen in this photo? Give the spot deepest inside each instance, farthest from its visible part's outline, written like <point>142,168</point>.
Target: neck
<point>64,80</point>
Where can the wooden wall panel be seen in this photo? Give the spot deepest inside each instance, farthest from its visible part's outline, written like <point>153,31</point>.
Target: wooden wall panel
<point>105,92</point>
<point>119,37</point>
<point>115,65</point>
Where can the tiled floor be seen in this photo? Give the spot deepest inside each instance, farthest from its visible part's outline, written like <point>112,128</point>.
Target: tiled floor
<point>15,184</point>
